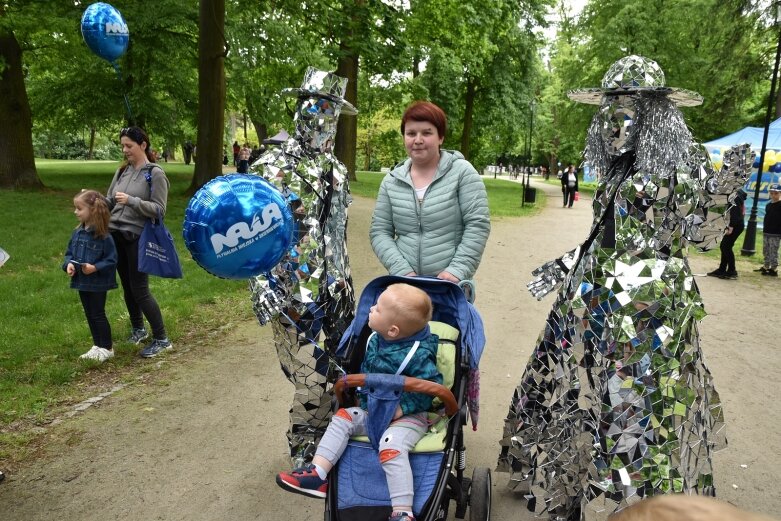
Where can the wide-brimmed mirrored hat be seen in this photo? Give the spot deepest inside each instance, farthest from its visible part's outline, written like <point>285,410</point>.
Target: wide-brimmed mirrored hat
<point>633,75</point>
<point>322,84</point>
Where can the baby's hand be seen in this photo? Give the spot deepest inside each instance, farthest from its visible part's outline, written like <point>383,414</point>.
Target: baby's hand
<point>88,269</point>
<point>399,413</point>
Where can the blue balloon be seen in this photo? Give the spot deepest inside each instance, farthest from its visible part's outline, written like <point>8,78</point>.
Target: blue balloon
<point>105,31</point>
<point>756,161</point>
<point>237,226</point>
<point>776,168</point>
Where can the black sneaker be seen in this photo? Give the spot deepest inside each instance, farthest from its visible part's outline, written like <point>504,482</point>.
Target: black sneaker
<point>761,270</point>
<point>732,275</point>
<point>717,273</point>
<point>770,273</point>
<point>137,335</point>
<point>156,347</point>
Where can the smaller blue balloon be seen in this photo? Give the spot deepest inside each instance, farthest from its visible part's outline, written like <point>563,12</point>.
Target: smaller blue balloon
<point>237,226</point>
<point>776,168</point>
<point>756,161</point>
<point>105,31</point>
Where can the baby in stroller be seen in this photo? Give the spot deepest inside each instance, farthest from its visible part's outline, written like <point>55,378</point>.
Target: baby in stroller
<point>401,344</point>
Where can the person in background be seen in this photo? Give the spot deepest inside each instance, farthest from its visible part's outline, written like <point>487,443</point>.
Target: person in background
<point>91,263</point>
<point>569,185</point>
<point>244,154</point>
<point>133,199</point>
<point>236,149</point>
<point>431,217</point>
<point>771,232</point>
<point>726,269</point>
<point>189,150</point>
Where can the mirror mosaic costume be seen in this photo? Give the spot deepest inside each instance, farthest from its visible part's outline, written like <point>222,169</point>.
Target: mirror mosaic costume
<point>309,295</point>
<point>616,403</point>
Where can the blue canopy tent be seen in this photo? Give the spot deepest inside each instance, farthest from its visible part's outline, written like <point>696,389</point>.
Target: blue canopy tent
<point>753,136</point>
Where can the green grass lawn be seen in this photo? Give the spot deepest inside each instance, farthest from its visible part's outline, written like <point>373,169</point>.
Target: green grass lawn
<point>42,327</point>
<point>504,196</point>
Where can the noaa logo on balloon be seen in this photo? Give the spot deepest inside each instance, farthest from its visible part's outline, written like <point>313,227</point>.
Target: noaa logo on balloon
<point>270,218</point>
<point>238,226</point>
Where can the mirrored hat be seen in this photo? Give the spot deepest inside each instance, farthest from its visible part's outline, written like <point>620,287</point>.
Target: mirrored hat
<point>322,84</point>
<point>632,75</point>
<point>775,187</point>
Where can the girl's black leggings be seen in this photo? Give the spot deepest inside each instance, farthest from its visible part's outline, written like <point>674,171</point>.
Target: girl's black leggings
<point>94,304</point>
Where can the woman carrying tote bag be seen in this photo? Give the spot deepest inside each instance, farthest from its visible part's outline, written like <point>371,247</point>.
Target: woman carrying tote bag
<point>133,203</point>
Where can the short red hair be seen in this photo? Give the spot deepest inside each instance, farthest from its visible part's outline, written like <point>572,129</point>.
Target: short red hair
<point>425,111</point>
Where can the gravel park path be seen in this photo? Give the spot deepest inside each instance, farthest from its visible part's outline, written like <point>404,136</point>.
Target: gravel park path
<point>201,436</point>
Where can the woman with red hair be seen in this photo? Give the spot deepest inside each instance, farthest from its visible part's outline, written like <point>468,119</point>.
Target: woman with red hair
<point>431,216</point>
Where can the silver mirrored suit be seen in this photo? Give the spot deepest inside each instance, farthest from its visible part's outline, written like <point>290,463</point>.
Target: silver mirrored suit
<point>616,403</point>
<point>308,297</point>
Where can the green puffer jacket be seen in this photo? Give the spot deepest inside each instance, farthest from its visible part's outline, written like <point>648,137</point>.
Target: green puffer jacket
<point>447,231</point>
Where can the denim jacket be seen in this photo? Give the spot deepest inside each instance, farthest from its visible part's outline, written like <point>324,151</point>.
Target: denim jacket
<point>84,247</point>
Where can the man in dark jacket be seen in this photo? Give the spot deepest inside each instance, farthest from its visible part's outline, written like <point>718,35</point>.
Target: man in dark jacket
<point>726,269</point>
<point>569,185</point>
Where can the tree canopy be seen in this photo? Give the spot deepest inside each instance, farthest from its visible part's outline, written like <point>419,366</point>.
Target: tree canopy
<point>487,63</point>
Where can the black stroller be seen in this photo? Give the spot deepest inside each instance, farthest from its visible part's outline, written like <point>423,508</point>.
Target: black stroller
<point>357,488</point>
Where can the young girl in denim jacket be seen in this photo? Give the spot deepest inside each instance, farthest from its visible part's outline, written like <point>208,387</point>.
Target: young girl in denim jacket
<point>91,263</point>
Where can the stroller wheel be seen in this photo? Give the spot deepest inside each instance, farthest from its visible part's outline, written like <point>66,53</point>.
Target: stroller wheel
<point>480,495</point>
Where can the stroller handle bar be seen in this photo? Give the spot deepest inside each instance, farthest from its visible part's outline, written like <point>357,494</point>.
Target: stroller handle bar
<point>411,385</point>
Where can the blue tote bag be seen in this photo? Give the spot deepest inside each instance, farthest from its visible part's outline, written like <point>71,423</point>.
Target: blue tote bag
<point>156,251</point>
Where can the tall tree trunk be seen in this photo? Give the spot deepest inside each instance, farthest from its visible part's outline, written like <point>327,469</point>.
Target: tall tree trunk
<point>347,130</point>
<point>261,129</point>
<point>211,92</point>
<point>466,136</point>
<point>91,142</point>
<point>17,167</point>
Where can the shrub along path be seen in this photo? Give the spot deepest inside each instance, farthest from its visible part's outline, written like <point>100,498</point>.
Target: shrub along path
<point>201,436</point>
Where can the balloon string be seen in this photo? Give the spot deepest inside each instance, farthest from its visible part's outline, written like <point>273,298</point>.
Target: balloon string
<point>130,119</point>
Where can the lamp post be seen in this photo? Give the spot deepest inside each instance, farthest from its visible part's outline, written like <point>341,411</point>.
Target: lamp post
<point>526,180</point>
<point>751,230</point>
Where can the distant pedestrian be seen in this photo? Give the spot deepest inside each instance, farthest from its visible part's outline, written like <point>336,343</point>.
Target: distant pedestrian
<point>569,185</point>
<point>91,263</point>
<point>236,149</point>
<point>188,151</point>
<point>771,232</point>
<point>244,154</point>
<point>726,269</point>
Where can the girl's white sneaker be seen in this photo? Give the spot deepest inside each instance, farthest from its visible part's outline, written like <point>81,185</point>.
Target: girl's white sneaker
<point>99,354</point>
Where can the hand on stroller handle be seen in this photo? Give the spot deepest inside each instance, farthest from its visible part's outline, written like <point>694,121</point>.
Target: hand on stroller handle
<point>412,385</point>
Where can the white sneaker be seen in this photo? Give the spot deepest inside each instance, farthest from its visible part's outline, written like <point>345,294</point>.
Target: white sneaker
<point>99,354</point>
